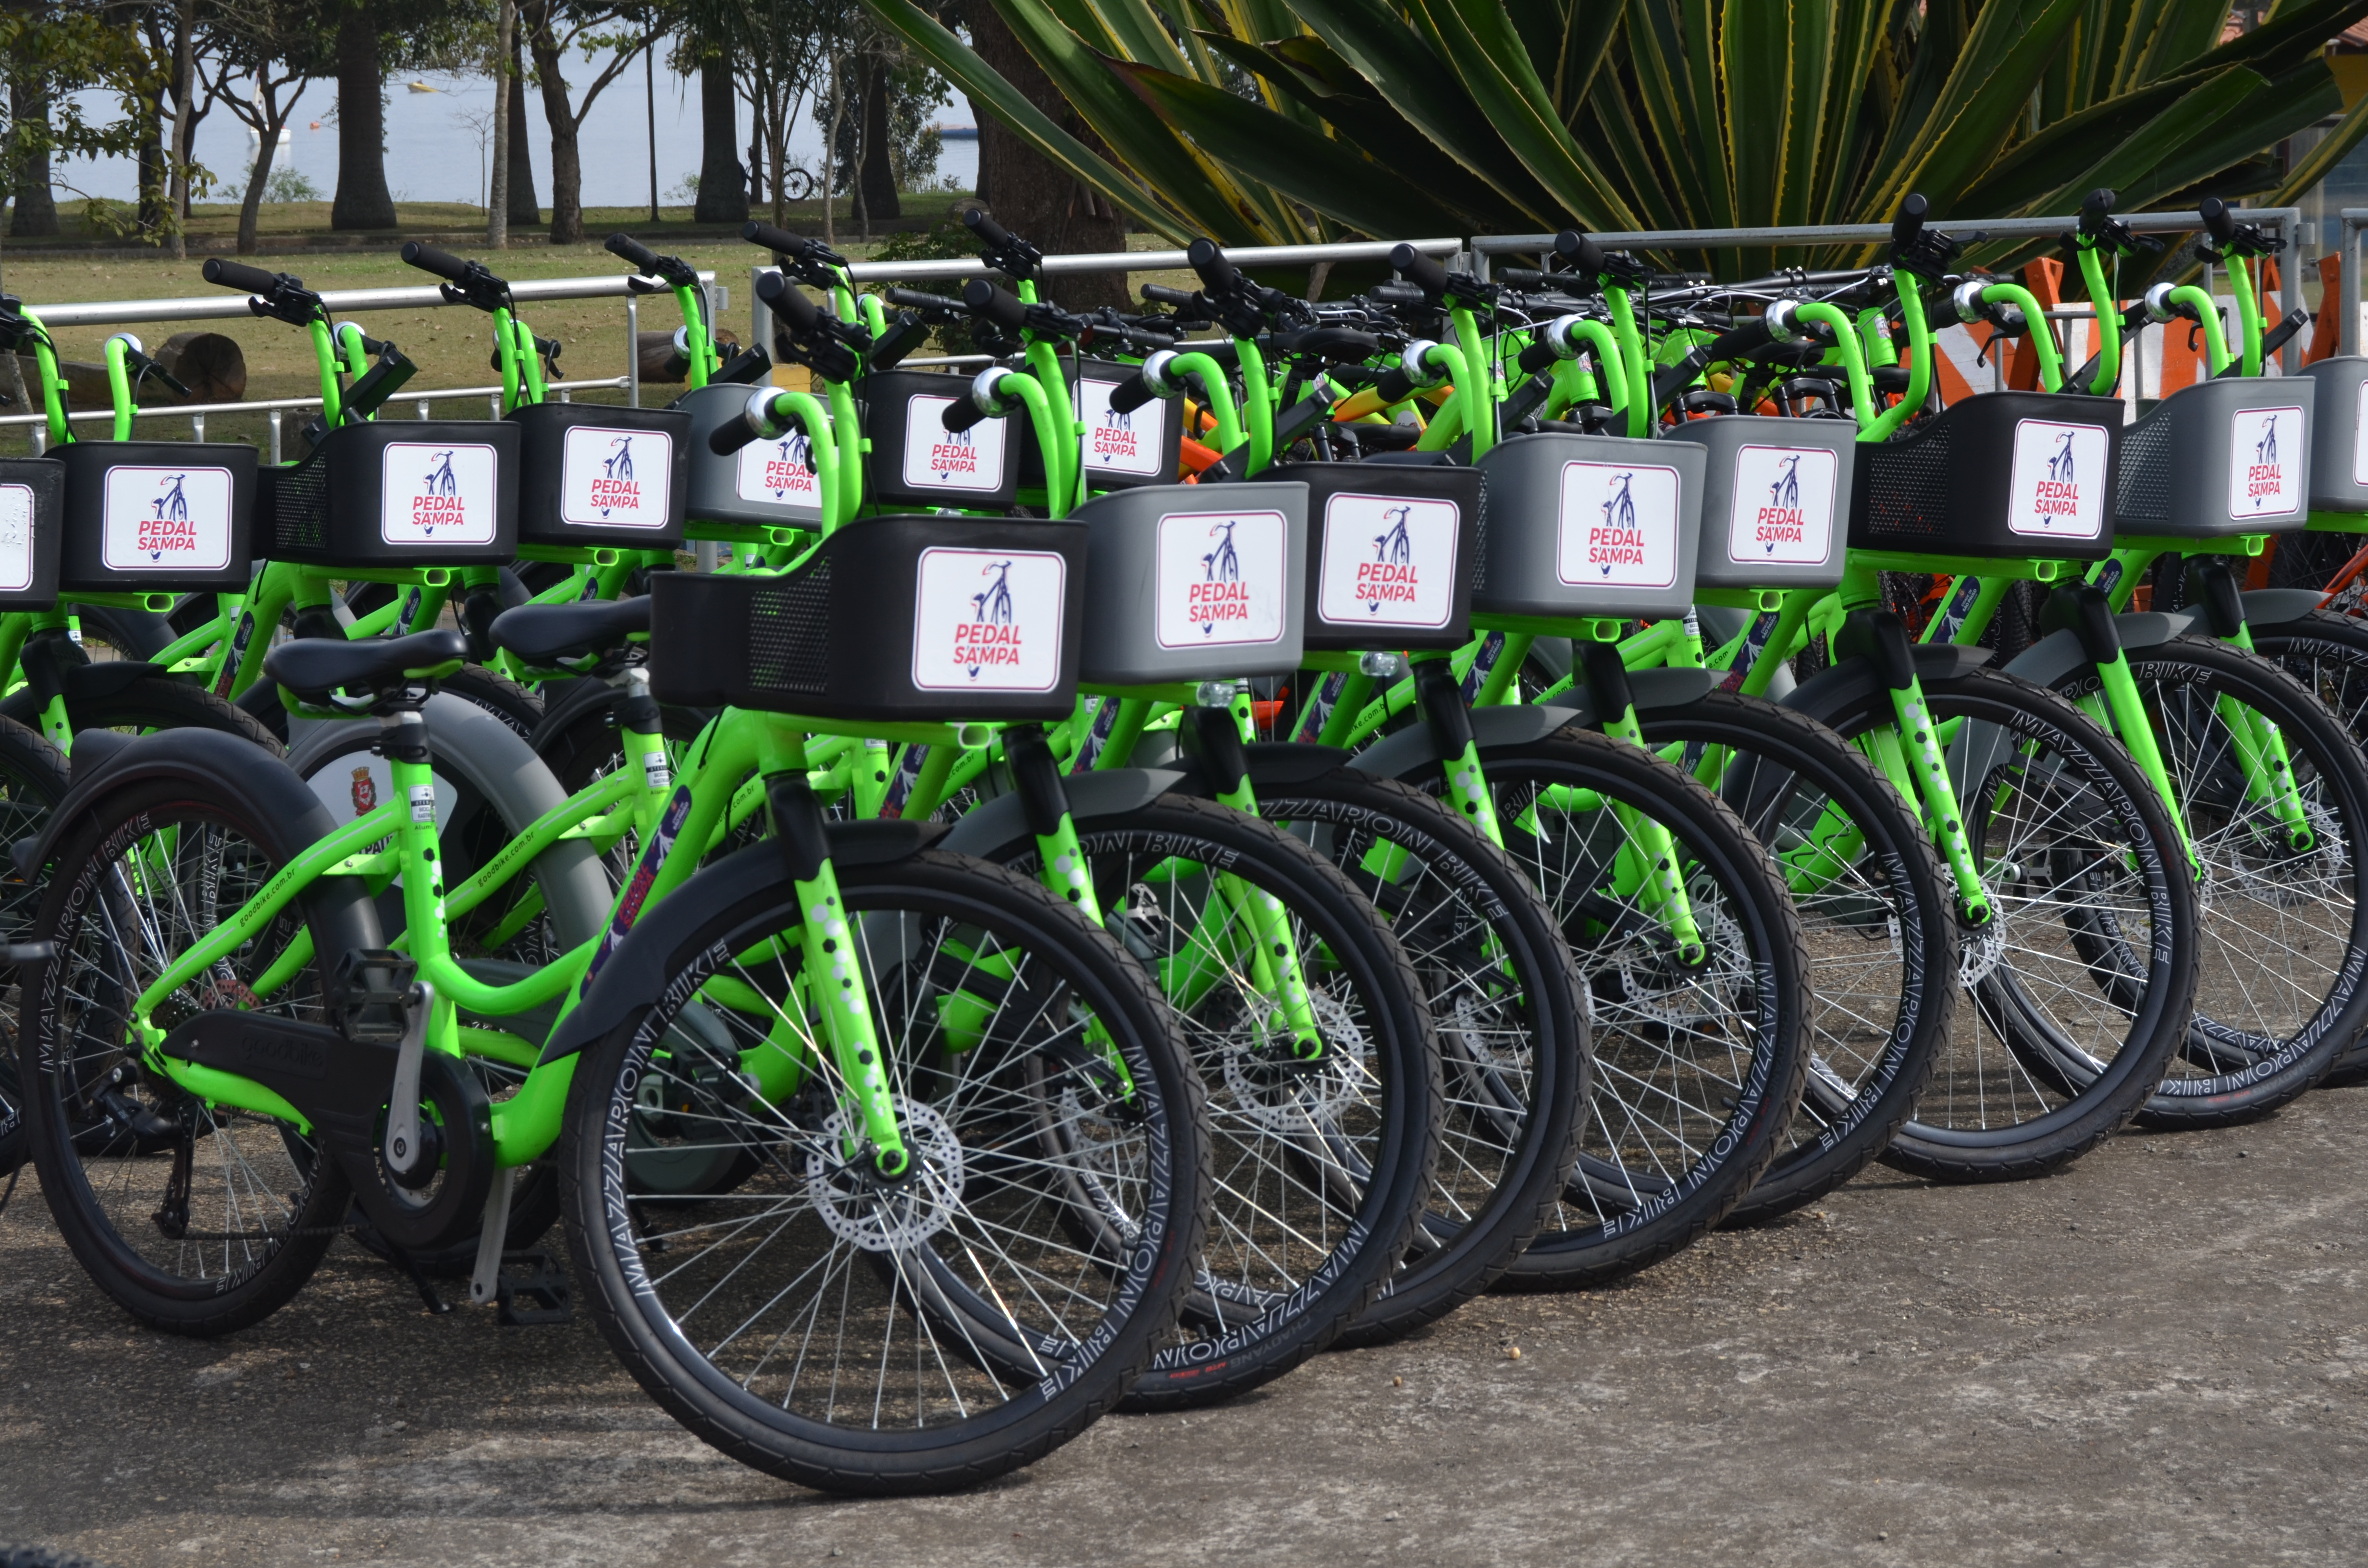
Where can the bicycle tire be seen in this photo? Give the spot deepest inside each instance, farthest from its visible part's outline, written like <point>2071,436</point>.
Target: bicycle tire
<point>2326,651</point>
<point>88,1102</point>
<point>1348,1210</point>
<point>1988,1113</point>
<point>1876,1016</point>
<point>1504,997</point>
<point>1154,1179</point>
<point>33,779</point>
<point>2282,976</point>
<point>1648,1181</point>
<point>152,702</point>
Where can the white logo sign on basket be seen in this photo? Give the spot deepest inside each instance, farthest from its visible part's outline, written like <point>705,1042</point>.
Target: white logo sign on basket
<point>989,620</point>
<point>167,519</point>
<point>2057,488</point>
<point>1388,560</point>
<point>939,458</point>
<point>778,473</point>
<point>1618,525</point>
<point>2266,455</point>
<point>16,538</point>
<point>433,495</point>
<point>1130,443</point>
<point>615,479</point>
<point>1783,508</point>
<point>1223,579</point>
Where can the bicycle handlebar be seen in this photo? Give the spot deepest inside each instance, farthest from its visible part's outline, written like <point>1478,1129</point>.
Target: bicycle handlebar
<point>735,433</point>
<point>1132,394</point>
<point>1909,221</point>
<point>1424,272</point>
<point>2216,218</point>
<point>961,413</point>
<point>787,301</point>
<point>1217,275</point>
<point>1580,251</point>
<point>239,276</point>
<point>913,299</point>
<point>1000,306</point>
<point>644,260</point>
<point>427,258</point>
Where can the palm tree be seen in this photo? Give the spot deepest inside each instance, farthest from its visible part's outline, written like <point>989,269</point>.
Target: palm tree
<point>1272,121</point>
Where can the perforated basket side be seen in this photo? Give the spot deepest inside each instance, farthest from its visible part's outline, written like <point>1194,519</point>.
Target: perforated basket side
<point>788,636</point>
<point>1907,490</point>
<point>2144,494</point>
<point>299,498</point>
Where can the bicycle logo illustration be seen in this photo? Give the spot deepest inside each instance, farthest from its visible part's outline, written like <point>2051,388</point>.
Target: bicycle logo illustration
<point>2265,450</point>
<point>1115,419</point>
<point>173,506</point>
<point>1394,548</point>
<point>1786,491</point>
<point>2059,467</point>
<point>440,480</point>
<point>797,456</point>
<point>618,466</point>
<point>994,604</point>
<point>1619,510</point>
<point>1222,565</point>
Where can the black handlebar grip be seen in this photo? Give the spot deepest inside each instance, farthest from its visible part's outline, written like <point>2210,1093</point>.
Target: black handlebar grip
<point>2216,219</point>
<point>788,301</point>
<point>2096,206</point>
<point>644,260</point>
<point>427,258</point>
<point>1579,252</point>
<point>993,233</point>
<point>1394,385</point>
<point>1205,258</point>
<point>1732,345</point>
<point>961,413</point>
<point>732,434</point>
<point>1161,294</point>
<point>773,239</point>
<point>1419,269</point>
<point>1910,220</point>
<point>238,275</point>
<point>1000,306</point>
<point>1131,393</point>
<point>1538,356</point>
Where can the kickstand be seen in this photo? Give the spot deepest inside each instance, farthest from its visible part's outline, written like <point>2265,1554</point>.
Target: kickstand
<point>437,1305</point>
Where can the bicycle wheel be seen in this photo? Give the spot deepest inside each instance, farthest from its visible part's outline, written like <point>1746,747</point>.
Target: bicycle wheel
<point>2062,1044</point>
<point>196,1218</point>
<point>1512,1022</point>
<point>2282,982</point>
<point>2327,653</point>
<point>1698,1067</point>
<point>1320,1173</point>
<point>826,1327</point>
<point>33,782</point>
<point>1875,916</point>
<point>152,702</point>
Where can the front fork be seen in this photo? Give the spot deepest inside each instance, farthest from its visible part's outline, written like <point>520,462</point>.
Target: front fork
<point>1911,754</point>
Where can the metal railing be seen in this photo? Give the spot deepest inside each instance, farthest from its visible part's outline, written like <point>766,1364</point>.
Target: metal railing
<point>228,306</point>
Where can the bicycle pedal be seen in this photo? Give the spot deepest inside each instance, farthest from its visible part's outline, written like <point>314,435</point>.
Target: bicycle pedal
<point>371,995</point>
<point>537,1298</point>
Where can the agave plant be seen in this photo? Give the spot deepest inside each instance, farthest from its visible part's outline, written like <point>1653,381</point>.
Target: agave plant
<point>1268,121</point>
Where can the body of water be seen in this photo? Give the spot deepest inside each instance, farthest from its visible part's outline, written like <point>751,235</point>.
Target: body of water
<point>439,144</point>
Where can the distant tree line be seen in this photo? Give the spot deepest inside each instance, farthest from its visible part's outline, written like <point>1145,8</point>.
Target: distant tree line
<point>162,66</point>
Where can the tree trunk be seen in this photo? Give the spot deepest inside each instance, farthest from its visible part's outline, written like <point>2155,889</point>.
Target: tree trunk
<point>722,185</point>
<point>362,199</point>
<point>566,157</point>
<point>830,156</point>
<point>879,176</point>
<point>37,206</point>
<point>1030,196</point>
<point>506,130</point>
<point>273,118</point>
<point>184,96</point>
<point>526,211</point>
